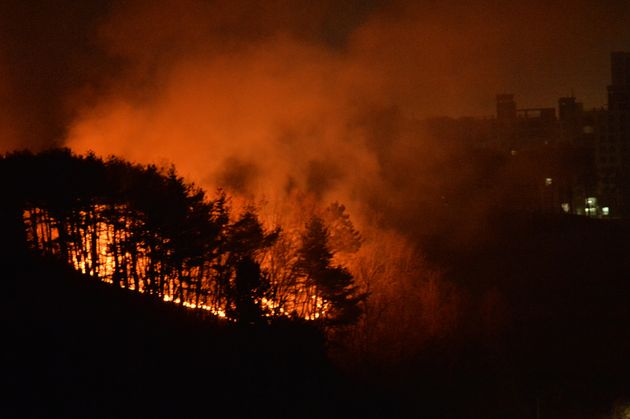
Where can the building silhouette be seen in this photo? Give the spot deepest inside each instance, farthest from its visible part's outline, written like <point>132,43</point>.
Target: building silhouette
<point>612,132</point>
<point>569,159</point>
<point>521,128</point>
<point>602,136</point>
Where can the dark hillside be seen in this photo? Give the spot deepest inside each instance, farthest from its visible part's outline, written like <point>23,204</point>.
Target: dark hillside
<point>547,318</point>
<point>82,348</point>
<point>541,311</point>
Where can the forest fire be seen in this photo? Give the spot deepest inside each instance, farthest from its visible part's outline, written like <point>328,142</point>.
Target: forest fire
<point>94,249</point>
<point>145,230</point>
<point>189,250</point>
<point>401,208</point>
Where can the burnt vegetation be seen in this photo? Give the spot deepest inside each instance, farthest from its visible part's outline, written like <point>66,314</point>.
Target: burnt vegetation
<point>144,229</point>
<point>131,293</point>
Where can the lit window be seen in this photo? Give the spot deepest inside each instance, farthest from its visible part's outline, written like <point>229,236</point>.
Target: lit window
<point>566,207</point>
<point>605,211</point>
<point>548,181</point>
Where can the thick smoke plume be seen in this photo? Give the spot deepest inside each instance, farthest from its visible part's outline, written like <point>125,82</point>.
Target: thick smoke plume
<point>268,97</point>
<point>278,99</point>
<point>258,121</point>
<point>60,59</point>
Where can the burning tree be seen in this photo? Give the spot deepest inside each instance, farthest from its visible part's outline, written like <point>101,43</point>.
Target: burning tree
<point>145,229</point>
<point>251,286</point>
<point>333,295</point>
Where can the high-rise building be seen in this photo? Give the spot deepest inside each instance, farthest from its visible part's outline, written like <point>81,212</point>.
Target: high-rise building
<point>620,68</point>
<point>569,109</point>
<point>571,118</point>
<point>506,108</point>
<point>524,128</point>
<point>613,139</point>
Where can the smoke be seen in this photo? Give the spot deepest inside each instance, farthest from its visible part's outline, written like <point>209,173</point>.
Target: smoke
<point>280,99</point>
<point>46,58</point>
<point>262,118</point>
<point>449,58</point>
<point>428,58</point>
<point>7,126</point>
<point>269,98</point>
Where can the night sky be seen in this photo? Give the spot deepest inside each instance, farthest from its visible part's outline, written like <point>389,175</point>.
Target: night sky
<point>61,60</point>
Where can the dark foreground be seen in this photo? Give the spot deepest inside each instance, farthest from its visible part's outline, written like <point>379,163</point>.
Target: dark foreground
<point>78,348</point>
<point>560,347</point>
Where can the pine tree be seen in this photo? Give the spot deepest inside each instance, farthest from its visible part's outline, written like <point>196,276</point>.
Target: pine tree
<point>247,237</point>
<point>333,284</point>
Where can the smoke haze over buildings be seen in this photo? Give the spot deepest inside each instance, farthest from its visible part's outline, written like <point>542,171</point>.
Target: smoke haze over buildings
<point>270,97</point>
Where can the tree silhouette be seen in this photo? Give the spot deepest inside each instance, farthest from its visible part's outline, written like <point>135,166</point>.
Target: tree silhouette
<point>144,228</point>
<point>343,237</point>
<point>335,298</point>
<point>251,285</point>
